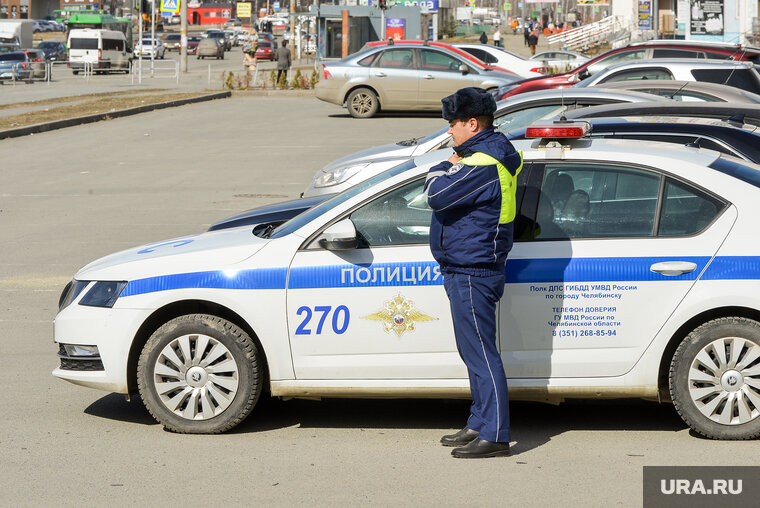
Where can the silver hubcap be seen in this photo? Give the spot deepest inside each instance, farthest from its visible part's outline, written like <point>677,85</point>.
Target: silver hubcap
<point>362,103</point>
<point>196,377</point>
<point>724,381</point>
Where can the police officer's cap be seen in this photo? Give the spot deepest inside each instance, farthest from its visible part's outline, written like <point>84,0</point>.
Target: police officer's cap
<point>468,102</point>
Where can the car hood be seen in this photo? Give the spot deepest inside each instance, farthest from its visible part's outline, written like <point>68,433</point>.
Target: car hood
<point>179,255</point>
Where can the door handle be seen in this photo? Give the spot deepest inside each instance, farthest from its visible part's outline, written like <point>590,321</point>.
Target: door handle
<point>380,74</point>
<point>428,76</point>
<point>673,267</point>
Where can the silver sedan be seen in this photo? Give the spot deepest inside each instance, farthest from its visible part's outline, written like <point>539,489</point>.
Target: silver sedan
<point>402,76</point>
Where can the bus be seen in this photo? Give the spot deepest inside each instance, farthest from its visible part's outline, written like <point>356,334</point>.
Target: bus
<point>90,19</point>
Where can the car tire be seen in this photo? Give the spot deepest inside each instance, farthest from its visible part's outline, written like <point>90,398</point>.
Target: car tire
<point>75,72</point>
<point>715,379</point>
<point>222,57</point>
<point>362,103</point>
<point>199,374</point>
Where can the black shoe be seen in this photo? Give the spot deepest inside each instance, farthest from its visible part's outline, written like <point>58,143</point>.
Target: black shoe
<point>481,449</point>
<point>461,438</point>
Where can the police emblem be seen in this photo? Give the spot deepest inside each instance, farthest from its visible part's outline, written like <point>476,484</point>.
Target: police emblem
<point>455,168</point>
<point>398,315</point>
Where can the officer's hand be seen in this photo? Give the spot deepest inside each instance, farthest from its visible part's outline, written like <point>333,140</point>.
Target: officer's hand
<point>455,158</point>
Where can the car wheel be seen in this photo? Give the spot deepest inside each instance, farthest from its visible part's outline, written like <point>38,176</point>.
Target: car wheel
<point>222,57</point>
<point>715,379</point>
<point>199,374</point>
<point>362,103</point>
<point>75,72</point>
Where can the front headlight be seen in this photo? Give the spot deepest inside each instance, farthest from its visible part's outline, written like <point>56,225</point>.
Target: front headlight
<point>70,292</point>
<point>337,175</point>
<point>103,294</point>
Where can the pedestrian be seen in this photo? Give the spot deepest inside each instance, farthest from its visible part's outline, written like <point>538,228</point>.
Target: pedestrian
<point>533,42</point>
<point>283,60</point>
<point>249,54</point>
<point>497,37</point>
<point>526,33</point>
<point>472,195</point>
<point>483,38</point>
<point>515,26</point>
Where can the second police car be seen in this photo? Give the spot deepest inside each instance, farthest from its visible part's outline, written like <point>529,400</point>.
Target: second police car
<point>632,275</point>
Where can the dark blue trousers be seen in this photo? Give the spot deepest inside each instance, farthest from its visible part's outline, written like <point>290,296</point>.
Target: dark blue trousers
<point>473,309</point>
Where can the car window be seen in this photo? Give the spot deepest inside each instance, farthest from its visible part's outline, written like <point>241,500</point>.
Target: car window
<point>312,213</point>
<point>83,43</point>
<point>637,74</point>
<point>685,95</point>
<point>367,60</point>
<point>437,61</point>
<point>686,210</point>
<point>480,55</point>
<point>527,116</point>
<point>400,217</point>
<point>676,53</point>
<point>396,59</point>
<point>113,44</point>
<point>623,56</point>
<point>743,78</point>
<point>596,201</point>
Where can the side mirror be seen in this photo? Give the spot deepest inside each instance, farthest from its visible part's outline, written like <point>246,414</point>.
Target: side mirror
<point>339,236</point>
<point>583,74</point>
<point>464,69</point>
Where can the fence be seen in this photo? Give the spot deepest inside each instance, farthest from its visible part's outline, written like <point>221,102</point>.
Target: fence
<point>589,36</point>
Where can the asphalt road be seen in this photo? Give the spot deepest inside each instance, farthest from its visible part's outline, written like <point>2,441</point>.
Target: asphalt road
<point>70,196</point>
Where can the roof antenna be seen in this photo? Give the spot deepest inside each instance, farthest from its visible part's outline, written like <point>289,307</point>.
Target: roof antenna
<point>562,117</point>
<point>695,143</point>
<point>677,91</point>
<point>736,120</point>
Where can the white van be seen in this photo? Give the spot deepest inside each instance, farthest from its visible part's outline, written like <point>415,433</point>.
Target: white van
<point>106,50</point>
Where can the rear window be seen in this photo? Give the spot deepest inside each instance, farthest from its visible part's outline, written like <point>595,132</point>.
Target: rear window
<point>83,44</point>
<point>746,79</point>
<point>13,57</point>
<point>265,45</point>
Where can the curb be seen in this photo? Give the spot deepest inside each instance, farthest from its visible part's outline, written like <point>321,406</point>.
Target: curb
<point>80,120</point>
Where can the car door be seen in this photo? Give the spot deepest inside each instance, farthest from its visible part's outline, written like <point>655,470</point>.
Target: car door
<point>394,73</point>
<point>440,76</point>
<point>378,311</point>
<point>610,251</point>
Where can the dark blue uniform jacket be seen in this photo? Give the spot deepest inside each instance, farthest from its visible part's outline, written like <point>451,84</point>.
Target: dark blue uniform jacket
<point>465,234</point>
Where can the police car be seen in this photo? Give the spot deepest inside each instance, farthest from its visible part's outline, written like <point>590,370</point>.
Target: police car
<point>632,275</point>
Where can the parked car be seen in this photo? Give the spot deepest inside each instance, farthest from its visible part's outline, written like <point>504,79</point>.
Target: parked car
<point>556,60</point>
<point>211,47</point>
<point>15,66</point>
<point>37,62</point>
<point>173,42</point>
<point>54,51</point>
<point>637,51</point>
<point>738,113</point>
<point>40,25</point>
<point>269,216</point>
<point>728,137</point>
<point>401,77</point>
<point>233,22</point>
<point>516,112</point>
<point>347,300</point>
<point>492,55</point>
<point>742,75</point>
<point>476,62</point>
<point>192,45</point>
<point>686,91</point>
<point>265,51</point>
<point>150,47</point>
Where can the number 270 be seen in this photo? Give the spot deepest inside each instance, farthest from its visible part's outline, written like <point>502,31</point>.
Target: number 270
<point>340,319</point>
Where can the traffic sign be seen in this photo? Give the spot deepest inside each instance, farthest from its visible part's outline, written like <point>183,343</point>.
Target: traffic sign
<point>507,6</point>
<point>170,6</point>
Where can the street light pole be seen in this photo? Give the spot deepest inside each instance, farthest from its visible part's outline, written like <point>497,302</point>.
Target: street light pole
<point>183,35</point>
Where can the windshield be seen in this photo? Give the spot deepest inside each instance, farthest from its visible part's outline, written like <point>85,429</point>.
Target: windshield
<point>312,213</point>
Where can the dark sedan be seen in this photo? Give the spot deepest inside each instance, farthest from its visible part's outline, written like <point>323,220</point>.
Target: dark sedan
<point>53,50</point>
<point>269,215</point>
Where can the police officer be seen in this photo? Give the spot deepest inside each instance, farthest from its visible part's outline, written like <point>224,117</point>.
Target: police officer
<point>472,195</point>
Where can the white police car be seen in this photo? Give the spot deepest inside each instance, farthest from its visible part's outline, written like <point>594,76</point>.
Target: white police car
<point>634,274</point>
